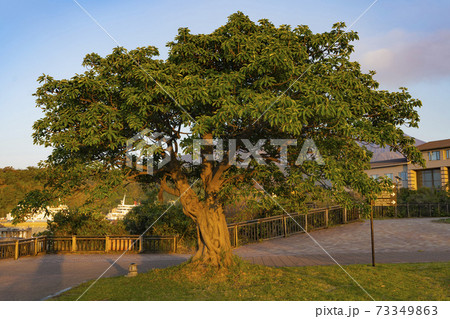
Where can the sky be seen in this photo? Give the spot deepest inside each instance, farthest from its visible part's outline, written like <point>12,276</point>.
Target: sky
<point>406,42</point>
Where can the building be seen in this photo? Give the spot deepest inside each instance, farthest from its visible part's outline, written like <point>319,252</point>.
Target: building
<point>434,175</point>
<point>119,212</point>
<point>41,215</point>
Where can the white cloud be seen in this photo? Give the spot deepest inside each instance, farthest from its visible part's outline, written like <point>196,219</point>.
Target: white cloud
<point>400,58</point>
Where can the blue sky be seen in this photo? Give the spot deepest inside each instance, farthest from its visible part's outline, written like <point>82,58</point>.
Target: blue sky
<point>406,42</point>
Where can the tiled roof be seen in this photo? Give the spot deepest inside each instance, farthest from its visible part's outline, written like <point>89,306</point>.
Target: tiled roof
<point>434,145</point>
<point>391,162</point>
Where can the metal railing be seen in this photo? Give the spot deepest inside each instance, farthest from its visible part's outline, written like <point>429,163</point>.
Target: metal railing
<point>412,210</point>
<point>284,225</point>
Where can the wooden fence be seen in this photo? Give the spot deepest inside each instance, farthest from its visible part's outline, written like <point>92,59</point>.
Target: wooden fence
<point>72,244</point>
<point>7,232</point>
<point>412,210</point>
<point>284,225</point>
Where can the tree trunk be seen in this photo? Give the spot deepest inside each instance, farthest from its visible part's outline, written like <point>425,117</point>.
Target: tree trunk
<point>214,247</point>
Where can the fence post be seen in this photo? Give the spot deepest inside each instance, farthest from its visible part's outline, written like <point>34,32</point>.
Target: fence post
<point>326,218</point>
<point>235,236</point>
<point>306,222</point>
<point>429,209</point>
<point>74,243</point>
<point>141,244</point>
<point>175,244</point>
<point>35,246</point>
<point>407,209</point>
<point>284,226</point>
<point>107,244</point>
<point>16,250</point>
<point>258,230</point>
<point>345,215</point>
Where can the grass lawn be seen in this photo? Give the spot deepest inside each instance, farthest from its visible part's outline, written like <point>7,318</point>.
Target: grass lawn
<point>245,281</point>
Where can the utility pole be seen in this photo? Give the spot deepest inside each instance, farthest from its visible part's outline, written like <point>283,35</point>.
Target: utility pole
<point>371,235</point>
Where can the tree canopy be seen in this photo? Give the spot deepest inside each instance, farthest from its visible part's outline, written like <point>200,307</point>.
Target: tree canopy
<point>245,80</point>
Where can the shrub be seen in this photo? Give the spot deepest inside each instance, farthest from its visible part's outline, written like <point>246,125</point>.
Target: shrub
<point>423,195</point>
<point>82,223</point>
<point>173,222</point>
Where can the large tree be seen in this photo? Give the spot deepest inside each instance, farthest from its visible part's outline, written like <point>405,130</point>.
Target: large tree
<point>245,80</point>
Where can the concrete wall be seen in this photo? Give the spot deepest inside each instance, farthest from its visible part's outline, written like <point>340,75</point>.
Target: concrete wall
<point>393,169</point>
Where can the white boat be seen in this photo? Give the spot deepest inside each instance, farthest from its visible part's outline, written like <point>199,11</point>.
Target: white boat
<point>119,212</point>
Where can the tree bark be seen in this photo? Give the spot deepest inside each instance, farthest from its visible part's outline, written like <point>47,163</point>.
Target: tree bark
<point>214,247</point>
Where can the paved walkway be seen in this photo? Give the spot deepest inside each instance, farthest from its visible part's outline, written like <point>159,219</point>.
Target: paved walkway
<point>34,278</point>
<point>396,240</point>
<point>402,240</point>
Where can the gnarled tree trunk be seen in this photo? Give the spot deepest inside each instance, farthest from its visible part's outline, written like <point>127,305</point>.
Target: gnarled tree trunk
<point>214,245</point>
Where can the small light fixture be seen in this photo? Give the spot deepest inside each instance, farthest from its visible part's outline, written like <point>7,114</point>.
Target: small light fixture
<point>132,270</point>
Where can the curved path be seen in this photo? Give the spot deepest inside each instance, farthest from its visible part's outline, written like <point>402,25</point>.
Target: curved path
<point>396,240</point>
<point>401,240</point>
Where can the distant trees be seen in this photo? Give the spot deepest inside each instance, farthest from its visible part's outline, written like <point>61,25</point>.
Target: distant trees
<point>14,185</point>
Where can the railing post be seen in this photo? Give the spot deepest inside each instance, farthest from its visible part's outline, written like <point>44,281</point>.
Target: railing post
<point>258,229</point>
<point>16,250</point>
<point>35,246</point>
<point>235,236</point>
<point>306,222</point>
<point>284,226</point>
<point>326,218</point>
<point>345,215</point>
<point>407,209</point>
<point>107,244</point>
<point>74,243</point>
<point>175,239</point>
<point>141,244</point>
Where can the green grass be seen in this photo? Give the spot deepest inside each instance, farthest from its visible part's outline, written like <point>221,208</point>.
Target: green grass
<point>445,221</point>
<point>419,281</point>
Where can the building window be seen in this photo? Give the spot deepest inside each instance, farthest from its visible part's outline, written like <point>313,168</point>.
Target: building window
<point>448,154</point>
<point>374,176</point>
<point>404,176</point>
<point>429,178</point>
<point>390,175</point>
<point>434,156</point>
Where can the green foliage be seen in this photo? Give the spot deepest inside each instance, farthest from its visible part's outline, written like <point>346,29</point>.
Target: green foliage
<point>423,195</point>
<point>243,80</point>
<point>82,223</point>
<point>14,184</point>
<point>34,202</point>
<point>173,222</point>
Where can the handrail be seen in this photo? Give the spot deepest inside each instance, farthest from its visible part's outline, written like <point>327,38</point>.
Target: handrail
<point>43,244</point>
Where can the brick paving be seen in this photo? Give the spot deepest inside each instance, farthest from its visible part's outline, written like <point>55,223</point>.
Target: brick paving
<point>402,240</point>
<point>396,241</point>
